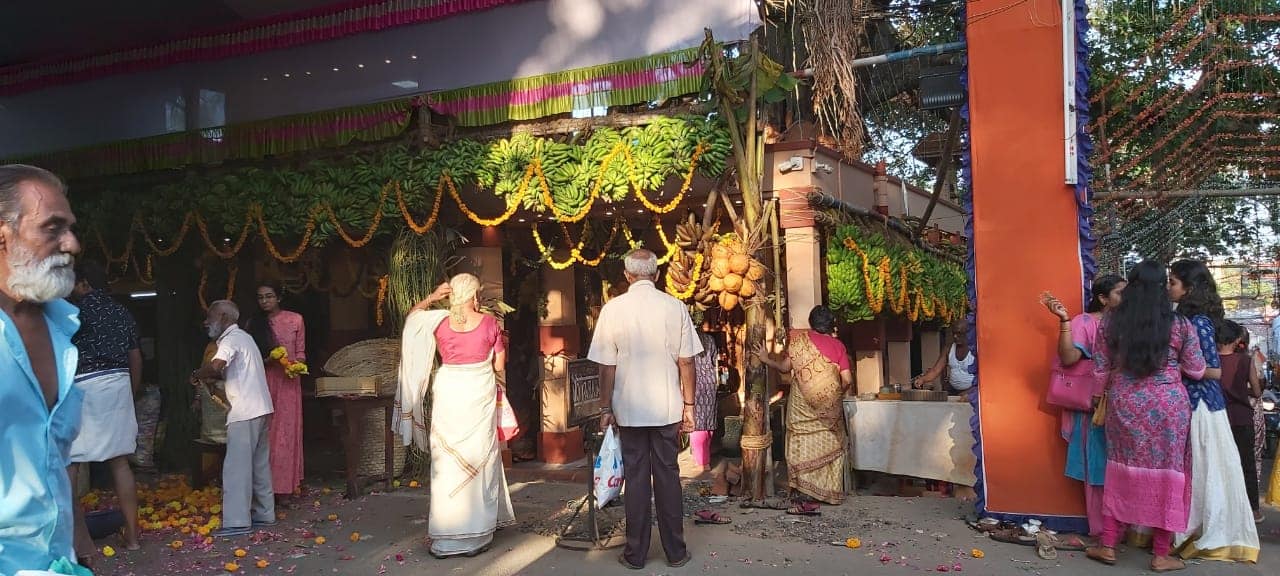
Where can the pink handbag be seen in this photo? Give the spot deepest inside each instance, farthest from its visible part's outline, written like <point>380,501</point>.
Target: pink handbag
<point>1071,391</point>
<point>508,425</point>
<point>1071,387</point>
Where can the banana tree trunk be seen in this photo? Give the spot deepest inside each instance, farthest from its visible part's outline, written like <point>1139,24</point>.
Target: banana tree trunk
<point>756,438</point>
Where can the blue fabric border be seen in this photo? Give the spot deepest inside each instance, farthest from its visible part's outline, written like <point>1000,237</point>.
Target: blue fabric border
<point>1084,195</point>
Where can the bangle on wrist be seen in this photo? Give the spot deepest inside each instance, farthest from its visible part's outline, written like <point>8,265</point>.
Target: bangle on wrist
<point>688,403</point>
<point>606,410</point>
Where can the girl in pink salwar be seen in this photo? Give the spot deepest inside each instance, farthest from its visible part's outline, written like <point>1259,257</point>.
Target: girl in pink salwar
<point>1086,441</point>
<point>277,327</point>
<point>1145,349</point>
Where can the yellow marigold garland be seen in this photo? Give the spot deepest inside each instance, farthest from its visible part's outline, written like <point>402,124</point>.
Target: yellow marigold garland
<point>178,238</point>
<point>373,228</point>
<point>149,276</point>
<point>271,247</point>
<point>626,233</point>
<point>421,229</point>
<point>639,191</point>
<point>232,271</point>
<point>672,247</point>
<point>513,203</point>
<point>542,249</point>
<point>604,248</point>
<point>382,296</point>
<point>235,249</point>
<point>106,253</point>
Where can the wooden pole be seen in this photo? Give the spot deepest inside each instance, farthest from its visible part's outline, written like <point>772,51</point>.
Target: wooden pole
<point>944,167</point>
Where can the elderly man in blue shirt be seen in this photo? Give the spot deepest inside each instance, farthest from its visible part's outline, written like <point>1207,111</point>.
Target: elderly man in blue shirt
<point>41,413</point>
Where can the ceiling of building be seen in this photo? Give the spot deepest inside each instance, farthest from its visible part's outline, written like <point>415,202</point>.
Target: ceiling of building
<point>37,30</point>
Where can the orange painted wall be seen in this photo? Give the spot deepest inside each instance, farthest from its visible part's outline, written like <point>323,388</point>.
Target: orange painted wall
<point>1025,241</point>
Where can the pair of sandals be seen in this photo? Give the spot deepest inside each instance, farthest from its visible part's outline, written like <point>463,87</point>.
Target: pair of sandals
<point>792,507</point>
<point>1105,555</point>
<point>710,517</point>
<point>622,559</point>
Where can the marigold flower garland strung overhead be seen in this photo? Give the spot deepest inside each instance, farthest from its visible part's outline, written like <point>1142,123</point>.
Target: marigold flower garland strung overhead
<point>513,203</point>
<point>275,252</point>
<point>421,229</point>
<point>235,248</point>
<point>373,227</point>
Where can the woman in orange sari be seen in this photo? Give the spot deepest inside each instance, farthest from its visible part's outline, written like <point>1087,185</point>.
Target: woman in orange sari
<point>815,445</point>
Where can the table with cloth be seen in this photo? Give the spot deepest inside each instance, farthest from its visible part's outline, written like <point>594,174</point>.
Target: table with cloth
<point>930,440</point>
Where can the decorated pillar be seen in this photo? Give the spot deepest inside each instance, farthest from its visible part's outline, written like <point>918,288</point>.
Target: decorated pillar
<point>559,441</point>
<point>790,181</point>
<point>1027,174</point>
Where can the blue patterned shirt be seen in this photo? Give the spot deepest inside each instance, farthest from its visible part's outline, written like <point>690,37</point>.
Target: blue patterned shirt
<point>1206,390</point>
<point>35,492</point>
<point>107,333</point>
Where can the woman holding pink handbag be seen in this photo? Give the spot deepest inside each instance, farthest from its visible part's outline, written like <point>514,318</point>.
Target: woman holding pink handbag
<point>1075,388</point>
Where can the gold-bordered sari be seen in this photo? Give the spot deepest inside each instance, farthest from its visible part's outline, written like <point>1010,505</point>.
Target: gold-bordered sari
<point>815,441</point>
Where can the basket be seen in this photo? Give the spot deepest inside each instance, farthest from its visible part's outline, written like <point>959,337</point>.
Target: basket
<point>378,359</point>
<point>925,395</point>
<point>347,386</point>
<point>372,463</point>
<point>213,417</point>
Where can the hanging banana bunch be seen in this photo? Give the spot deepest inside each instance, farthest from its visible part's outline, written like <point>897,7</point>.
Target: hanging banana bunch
<point>687,272</point>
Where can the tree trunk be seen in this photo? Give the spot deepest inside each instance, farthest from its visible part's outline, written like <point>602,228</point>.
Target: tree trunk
<point>754,409</point>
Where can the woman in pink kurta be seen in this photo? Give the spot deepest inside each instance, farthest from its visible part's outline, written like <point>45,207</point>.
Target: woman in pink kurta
<point>285,329</point>
<point>1144,350</point>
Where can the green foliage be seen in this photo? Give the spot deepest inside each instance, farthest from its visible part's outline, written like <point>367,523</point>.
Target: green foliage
<point>352,185</point>
<point>1166,116</point>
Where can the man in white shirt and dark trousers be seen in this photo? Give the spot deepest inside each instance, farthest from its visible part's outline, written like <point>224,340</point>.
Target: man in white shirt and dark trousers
<point>248,501</point>
<point>645,342</point>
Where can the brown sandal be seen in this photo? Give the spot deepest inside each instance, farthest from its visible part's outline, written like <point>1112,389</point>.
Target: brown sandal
<point>1177,564</point>
<point>1044,547</point>
<point>1014,535</point>
<point>1101,554</point>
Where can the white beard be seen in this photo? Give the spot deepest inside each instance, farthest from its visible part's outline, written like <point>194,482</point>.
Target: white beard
<point>43,281</point>
<point>214,331</point>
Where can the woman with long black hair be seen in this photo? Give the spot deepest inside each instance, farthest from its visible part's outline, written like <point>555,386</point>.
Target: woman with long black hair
<point>274,327</point>
<point>1144,349</point>
<point>1220,525</point>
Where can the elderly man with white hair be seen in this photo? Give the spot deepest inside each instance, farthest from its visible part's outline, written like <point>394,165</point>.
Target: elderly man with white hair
<point>645,343</point>
<point>41,413</point>
<point>248,501</point>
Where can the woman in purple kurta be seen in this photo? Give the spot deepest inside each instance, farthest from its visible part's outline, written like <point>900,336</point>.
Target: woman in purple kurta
<point>1145,350</point>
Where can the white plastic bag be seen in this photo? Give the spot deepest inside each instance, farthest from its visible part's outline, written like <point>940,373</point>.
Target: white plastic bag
<point>608,468</point>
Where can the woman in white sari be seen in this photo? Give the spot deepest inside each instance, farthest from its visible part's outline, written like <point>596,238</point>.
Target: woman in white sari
<point>469,497</point>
